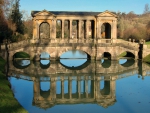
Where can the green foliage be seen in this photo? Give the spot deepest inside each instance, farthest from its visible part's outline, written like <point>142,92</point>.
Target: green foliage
<point>147,59</point>
<point>147,43</point>
<point>21,55</point>
<point>16,38</point>
<point>123,54</point>
<point>16,17</point>
<point>2,64</point>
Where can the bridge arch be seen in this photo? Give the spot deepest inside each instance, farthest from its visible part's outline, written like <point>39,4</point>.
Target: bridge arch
<point>127,54</point>
<point>107,55</point>
<point>70,49</point>
<point>20,54</point>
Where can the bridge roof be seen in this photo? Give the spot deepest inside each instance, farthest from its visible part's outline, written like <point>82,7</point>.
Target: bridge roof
<point>78,13</point>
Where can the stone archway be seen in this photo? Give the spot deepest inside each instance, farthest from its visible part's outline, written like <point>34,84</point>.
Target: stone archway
<point>106,31</point>
<point>44,30</point>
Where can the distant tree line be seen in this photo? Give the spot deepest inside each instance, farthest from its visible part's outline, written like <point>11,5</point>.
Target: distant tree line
<point>134,26</point>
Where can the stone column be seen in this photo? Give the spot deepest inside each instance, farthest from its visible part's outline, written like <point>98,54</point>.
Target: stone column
<point>87,28</point>
<point>34,29</point>
<point>113,88</point>
<point>70,30</point>
<point>79,29</point>
<point>95,29</point>
<point>53,88</point>
<point>62,87</point>
<point>54,28</point>
<point>62,28</point>
<point>50,29</point>
<point>98,29</point>
<point>86,87</point>
<point>70,87</point>
<point>36,89</point>
<point>78,85</point>
<point>38,29</point>
<point>114,36</point>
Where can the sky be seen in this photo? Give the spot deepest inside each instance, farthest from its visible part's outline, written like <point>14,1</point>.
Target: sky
<point>84,5</point>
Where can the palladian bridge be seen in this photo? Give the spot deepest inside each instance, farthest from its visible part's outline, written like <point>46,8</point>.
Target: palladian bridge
<point>94,33</point>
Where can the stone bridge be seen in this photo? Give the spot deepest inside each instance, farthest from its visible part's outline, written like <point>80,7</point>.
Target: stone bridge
<point>95,33</point>
<point>95,48</point>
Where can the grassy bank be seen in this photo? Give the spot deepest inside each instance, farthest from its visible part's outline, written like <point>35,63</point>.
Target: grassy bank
<point>8,104</point>
<point>123,54</point>
<point>147,59</point>
<point>147,43</point>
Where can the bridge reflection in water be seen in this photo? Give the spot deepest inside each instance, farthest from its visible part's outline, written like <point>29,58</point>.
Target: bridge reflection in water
<point>93,83</point>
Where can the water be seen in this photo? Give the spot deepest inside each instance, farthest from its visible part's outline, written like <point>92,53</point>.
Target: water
<point>81,86</point>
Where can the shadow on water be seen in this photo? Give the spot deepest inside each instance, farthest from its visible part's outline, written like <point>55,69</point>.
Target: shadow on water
<point>21,64</point>
<point>106,89</point>
<point>45,94</point>
<point>128,63</point>
<point>106,63</point>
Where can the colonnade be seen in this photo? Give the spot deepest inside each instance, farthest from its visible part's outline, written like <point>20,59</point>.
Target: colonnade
<point>91,23</point>
<point>89,90</point>
<point>86,25</point>
<point>86,28</point>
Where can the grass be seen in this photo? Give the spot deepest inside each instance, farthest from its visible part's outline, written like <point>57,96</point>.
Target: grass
<point>2,64</point>
<point>8,104</point>
<point>123,54</point>
<point>147,43</point>
<point>147,59</point>
<point>22,55</point>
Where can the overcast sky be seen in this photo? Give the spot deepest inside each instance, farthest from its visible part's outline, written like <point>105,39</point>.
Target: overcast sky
<point>85,5</point>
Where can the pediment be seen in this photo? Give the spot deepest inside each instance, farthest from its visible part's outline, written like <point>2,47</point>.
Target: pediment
<point>44,13</point>
<point>107,14</point>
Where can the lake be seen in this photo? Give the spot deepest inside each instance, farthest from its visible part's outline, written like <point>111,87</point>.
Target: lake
<point>81,86</point>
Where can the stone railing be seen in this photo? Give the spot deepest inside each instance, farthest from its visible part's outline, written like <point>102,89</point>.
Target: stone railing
<point>46,41</point>
<point>99,40</point>
<point>16,45</point>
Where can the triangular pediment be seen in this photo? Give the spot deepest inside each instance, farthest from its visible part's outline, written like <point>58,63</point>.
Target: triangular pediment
<point>44,13</point>
<point>107,14</point>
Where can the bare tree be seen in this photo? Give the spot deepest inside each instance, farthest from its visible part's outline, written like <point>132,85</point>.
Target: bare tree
<point>146,9</point>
